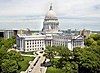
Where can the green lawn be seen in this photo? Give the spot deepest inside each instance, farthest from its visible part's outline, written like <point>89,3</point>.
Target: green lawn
<point>25,63</point>
<point>54,70</point>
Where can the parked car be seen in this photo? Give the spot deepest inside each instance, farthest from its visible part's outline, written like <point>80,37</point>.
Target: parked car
<point>29,70</point>
<point>32,67</point>
<point>48,64</point>
<point>41,51</point>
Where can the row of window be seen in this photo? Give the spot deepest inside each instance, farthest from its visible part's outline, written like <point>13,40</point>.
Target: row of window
<point>34,43</point>
<point>48,43</point>
<point>61,37</point>
<point>77,44</point>
<point>59,43</point>
<point>34,40</point>
<point>34,46</point>
<point>34,49</point>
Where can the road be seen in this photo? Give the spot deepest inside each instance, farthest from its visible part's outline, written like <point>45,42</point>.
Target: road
<point>37,68</point>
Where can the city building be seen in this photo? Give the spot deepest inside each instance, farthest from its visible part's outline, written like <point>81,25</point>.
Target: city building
<point>8,33</point>
<point>49,36</point>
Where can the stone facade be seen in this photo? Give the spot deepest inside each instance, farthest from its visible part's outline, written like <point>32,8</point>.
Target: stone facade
<point>49,36</point>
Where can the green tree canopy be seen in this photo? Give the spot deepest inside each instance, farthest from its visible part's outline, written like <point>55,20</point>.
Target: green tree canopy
<point>87,59</point>
<point>9,66</point>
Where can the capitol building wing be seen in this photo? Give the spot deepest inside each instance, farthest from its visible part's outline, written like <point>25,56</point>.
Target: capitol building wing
<point>49,36</point>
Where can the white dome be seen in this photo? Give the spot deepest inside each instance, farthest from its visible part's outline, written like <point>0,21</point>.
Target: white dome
<point>50,15</point>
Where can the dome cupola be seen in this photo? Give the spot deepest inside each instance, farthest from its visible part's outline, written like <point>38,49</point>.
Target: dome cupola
<point>51,23</point>
<point>51,14</point>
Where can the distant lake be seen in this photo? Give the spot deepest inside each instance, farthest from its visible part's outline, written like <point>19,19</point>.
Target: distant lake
<point>37,24</point>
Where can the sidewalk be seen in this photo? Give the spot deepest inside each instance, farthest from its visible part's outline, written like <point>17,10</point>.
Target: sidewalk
<point>28,55</point>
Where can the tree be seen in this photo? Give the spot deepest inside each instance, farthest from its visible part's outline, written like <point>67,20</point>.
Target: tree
<point>50,52</point>
<point>89,41</point>
<point>9,66</point>
<point>65,53</point>
<point>9,61</point>
<point>55,62</point>
<point>3,55</point>
<point>13,55</point>
<point>87,60</point>
<point>95,36</point>
<point>7,43</point>
<point>71,67</point>
<point>66,62</point>
<point>98,42</point>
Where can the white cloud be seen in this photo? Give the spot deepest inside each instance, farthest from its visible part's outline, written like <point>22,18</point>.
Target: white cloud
<point>39,7</point>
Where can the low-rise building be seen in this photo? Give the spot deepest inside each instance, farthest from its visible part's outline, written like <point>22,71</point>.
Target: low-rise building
<point>8,33</point>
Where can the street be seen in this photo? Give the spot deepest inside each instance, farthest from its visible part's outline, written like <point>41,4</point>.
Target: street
<point>36,67</point>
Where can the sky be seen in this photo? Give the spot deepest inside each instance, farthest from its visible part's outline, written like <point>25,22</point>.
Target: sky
<point>74,8</point>
<point>74,14</point>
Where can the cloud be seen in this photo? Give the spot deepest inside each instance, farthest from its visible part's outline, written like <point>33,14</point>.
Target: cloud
<point>61,7</point>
